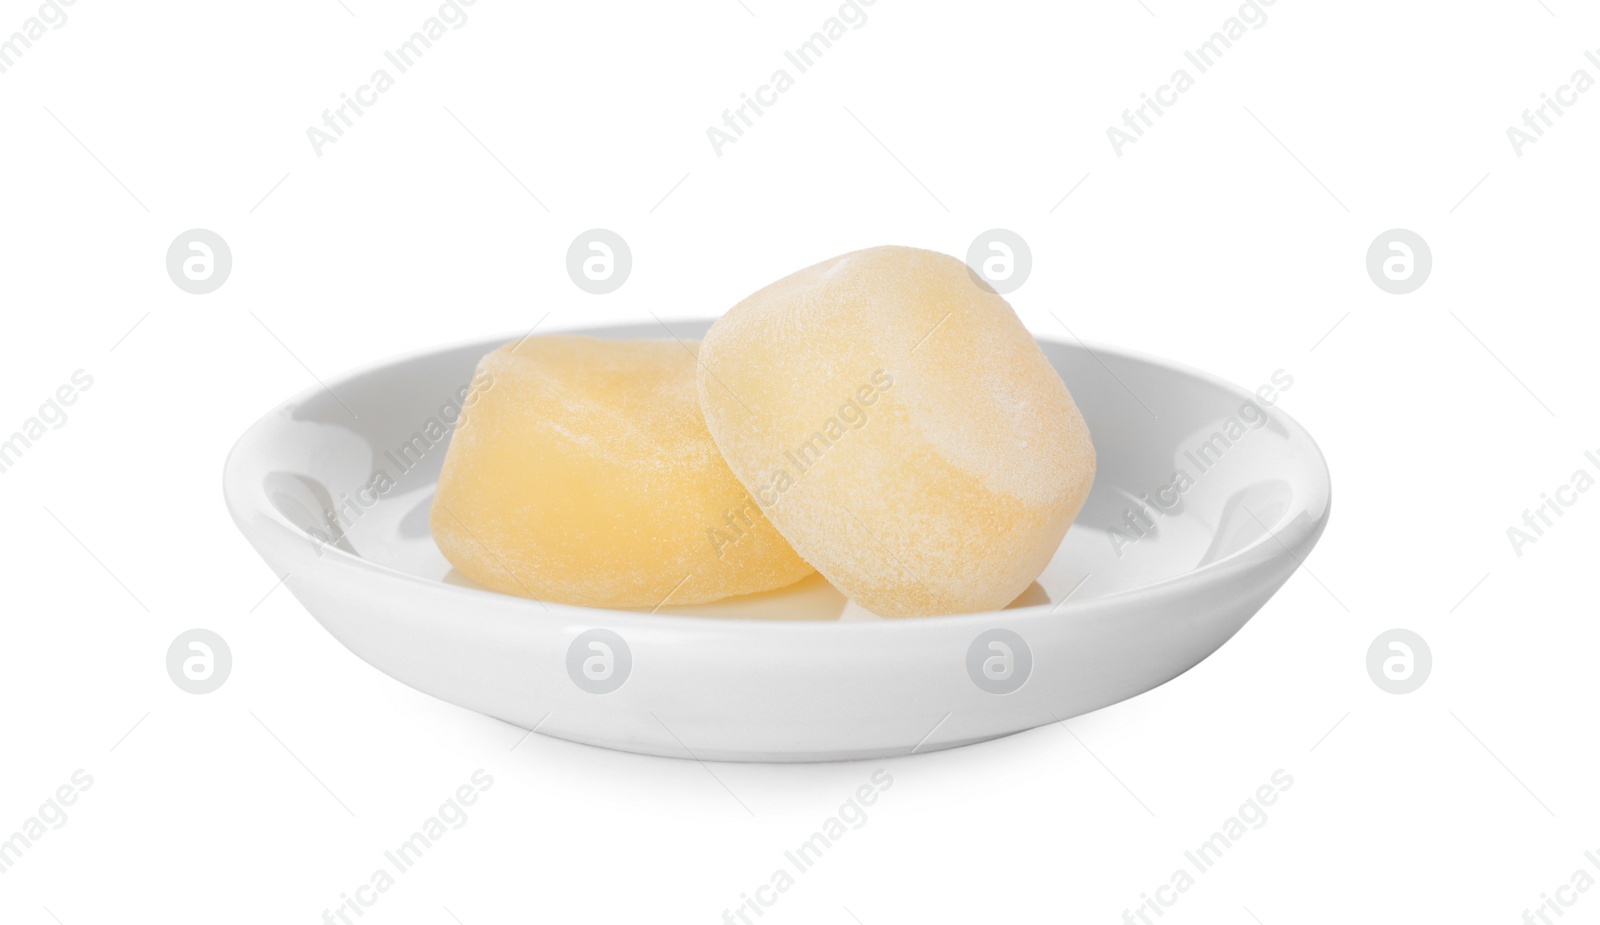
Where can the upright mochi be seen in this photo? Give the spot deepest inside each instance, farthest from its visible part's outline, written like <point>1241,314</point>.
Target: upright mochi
<point>901,428</point>
<point>584,474</point>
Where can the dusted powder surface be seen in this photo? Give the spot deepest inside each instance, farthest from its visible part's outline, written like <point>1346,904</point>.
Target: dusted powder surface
<point>901,428</point>
<point>584,474</point>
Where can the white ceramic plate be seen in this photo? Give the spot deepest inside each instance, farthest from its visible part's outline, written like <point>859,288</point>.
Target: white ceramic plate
<point>798,674</point>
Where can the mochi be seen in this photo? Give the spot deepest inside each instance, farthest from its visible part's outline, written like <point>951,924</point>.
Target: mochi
<point>583,473</point>
<point>899,426</point>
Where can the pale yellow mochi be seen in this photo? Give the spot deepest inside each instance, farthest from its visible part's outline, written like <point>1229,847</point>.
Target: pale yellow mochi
<point>583,474</point>
<point>901,428</point>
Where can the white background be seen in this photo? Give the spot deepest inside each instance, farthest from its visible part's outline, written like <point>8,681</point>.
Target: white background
<point>1206,242</point>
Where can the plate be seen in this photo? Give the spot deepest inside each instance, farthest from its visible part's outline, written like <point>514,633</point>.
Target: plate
<point>1207,499</point>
